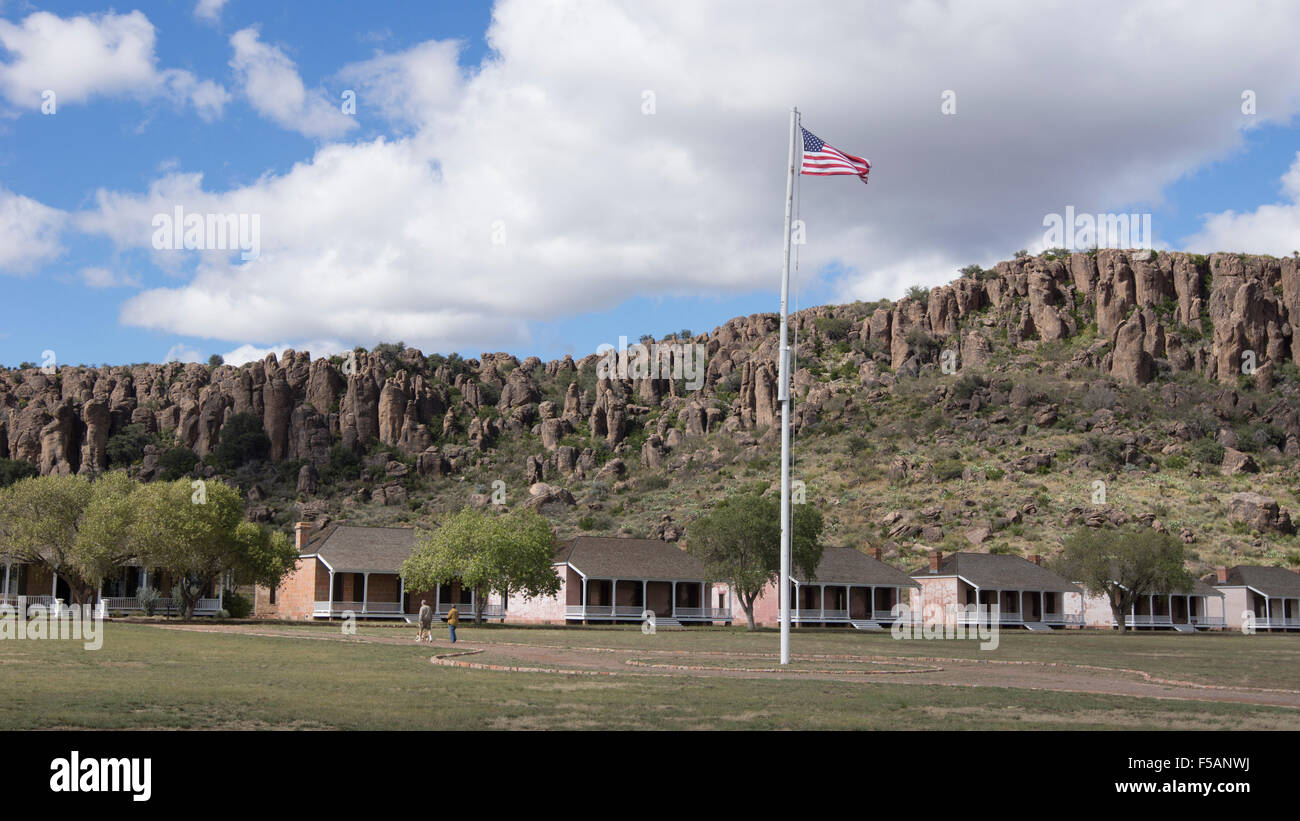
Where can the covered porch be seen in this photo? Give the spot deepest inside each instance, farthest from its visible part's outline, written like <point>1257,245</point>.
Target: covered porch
<point>1173,611</point>
<point>24,586</point>
<point>826,604</point>
<point>1273,612</point>
<point>1015,607</point>
<point>371,594</point>
<point>683,600</point>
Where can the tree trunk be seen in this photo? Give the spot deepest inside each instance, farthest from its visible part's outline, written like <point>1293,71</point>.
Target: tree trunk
<point>478,605</point>
<point>749,610</point>
<point>1119,605</point>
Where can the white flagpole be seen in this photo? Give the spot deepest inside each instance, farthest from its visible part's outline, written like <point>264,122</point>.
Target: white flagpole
<point>783,395</point>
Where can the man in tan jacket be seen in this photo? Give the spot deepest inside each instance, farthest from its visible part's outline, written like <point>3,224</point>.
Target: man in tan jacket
<point>426,622</point>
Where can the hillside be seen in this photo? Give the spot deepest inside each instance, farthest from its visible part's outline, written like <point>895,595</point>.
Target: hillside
<point>1115,367</point>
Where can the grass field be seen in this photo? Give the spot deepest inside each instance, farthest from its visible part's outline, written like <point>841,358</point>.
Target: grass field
<point>313,677</point>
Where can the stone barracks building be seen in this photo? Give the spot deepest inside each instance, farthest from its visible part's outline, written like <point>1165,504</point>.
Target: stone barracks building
<point>349,568</point>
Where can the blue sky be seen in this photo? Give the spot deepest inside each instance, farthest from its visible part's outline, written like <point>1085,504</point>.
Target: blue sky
<point>381,225</point>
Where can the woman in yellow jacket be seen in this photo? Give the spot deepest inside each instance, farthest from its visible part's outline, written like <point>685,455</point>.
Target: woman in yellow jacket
<point>453,619</point>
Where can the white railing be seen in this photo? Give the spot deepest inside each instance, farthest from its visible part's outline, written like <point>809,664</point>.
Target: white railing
<point>466,611</point>
<point>604,611</point>
<point>1148,620</point>
<point>706,613</point>
<point>1208,621</point>
<point>207,606</point>
<point>1261,621</point>
<point>370,608</point>
<point>817,614</point>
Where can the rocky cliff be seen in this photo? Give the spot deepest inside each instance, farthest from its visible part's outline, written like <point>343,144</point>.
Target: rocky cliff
<point>1222,329</point>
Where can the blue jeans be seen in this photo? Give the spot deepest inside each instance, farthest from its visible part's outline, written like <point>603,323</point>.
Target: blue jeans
<point>452,629</point>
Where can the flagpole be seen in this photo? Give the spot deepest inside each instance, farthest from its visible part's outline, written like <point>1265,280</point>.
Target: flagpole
<point>783,395</point>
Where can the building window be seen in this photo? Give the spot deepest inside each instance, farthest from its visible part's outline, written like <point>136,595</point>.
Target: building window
<point>273,589</point>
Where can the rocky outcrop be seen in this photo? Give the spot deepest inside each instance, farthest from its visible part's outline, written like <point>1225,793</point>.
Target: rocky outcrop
<point>1259,512</point>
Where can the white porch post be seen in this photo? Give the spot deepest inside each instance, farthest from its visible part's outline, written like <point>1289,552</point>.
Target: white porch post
<point>401,595</point>
<point>7,591</point>
<point>645,603</point>
<point>329,603</point>
<point>674,598</point>
<point>365,590</point>
<point>704,601</point>
<point>613,599</point>
<point>584,598</point>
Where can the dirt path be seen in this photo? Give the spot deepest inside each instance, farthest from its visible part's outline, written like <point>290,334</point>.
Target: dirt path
<point>860,669</point>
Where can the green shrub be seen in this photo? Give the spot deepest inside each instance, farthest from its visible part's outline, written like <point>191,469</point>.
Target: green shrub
<point>653,483</point>
<point>13,470</point>
<point>1207,451</point>
<point>1108,450</point>
<point>176,462</point>
<point>126,447</point>
<point>237,605</point>
<point>240,441</point>
<point>833,327</point>
<point>946,470</point>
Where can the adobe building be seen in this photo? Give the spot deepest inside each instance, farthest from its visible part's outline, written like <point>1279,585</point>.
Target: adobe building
<point>1200,609</point>
<point>1025,593</point>
<point>849,588</point>
<point>1268,596</point>
<point>348,568</point>
<point>606,580</point>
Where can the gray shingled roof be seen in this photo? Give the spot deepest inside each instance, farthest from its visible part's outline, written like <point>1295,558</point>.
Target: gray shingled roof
<point>845,565</point>
<point>1002,571</point>
<point>352,548</point>
<point>1271,581</point>
<point>614,558</point>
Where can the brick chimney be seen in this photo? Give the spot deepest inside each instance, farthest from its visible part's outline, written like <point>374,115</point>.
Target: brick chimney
<point>1222,573</point>
<point>1036,559</point>
<point>876,553</point>
<point>936,558</point>
<point>301,533</point>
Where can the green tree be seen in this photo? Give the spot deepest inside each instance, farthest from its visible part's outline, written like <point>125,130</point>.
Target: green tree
<point>39,522</point>
<point>127,446</point>
<point>487,553</point>
<point>739,542</point>
<point>103,537</point>
<point>197,531</point>
<point>216,361</point>
<point>1124,565</point>
<point>240,441</point>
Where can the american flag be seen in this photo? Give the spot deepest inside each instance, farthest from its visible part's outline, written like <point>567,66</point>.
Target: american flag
<point>821,160</point>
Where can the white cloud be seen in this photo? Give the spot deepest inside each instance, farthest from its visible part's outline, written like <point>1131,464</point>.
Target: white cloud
<point>209,11</point>
<point>29,232</point>
<point>86,56</point>
<point>271,82</point>
<point>97,277</point>
<point>180,352</point>
<point>252,353</point>
<point>545,145</point>
<point>1269,229</point>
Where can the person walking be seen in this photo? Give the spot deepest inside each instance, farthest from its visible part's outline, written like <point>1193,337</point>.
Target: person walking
<point>426,622</point>
<point>453,619</point>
